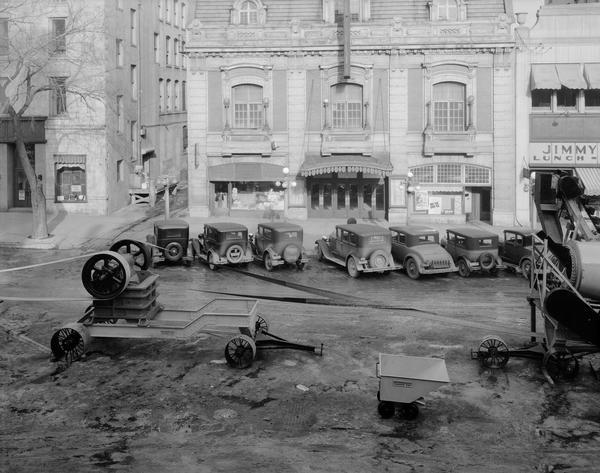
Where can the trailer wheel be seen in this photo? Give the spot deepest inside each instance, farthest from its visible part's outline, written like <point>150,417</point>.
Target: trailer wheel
<point>261,324</point>
<point>240,351</point>
<point>69,343</point>
<point>493,352</point>
<point>386,409</point>
<point>464,269</point>
<point>562,365</point>
<point>408,411</point>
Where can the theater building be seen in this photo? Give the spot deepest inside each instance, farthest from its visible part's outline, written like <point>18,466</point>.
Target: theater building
<point>387,109</point>
<point>558,94</point>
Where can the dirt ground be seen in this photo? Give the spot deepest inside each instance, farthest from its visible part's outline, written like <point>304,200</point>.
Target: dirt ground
<point>175,406</point>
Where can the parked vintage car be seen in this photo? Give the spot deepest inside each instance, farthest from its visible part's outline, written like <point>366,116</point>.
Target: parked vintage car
<point>223,243</point>
<point>278,243</point>
<point>418,249</point>
<point>170,242</point>
<point>360,247</point>
<point>516,250</point>
<point>473,249</point>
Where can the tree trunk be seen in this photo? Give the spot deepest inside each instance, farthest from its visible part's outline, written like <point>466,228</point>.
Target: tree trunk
<point>38,199</point>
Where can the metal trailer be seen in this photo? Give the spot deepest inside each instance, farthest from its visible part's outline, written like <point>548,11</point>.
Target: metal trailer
<point>126,305</point>
<point>404,380</point>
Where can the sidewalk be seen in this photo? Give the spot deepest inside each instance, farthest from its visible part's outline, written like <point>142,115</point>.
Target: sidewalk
<point>74,231</point>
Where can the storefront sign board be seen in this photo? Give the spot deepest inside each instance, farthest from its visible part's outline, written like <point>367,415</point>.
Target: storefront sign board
<point>563,154</point>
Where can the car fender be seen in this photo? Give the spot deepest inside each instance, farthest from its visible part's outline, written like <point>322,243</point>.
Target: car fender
<point>417,257</point>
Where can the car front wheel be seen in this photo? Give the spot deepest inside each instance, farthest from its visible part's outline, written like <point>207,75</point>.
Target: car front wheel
<point>268,262</point>
<point>352,267</point>
<point>412,269</point>
<point>526,268</point>
<point>319,253</point>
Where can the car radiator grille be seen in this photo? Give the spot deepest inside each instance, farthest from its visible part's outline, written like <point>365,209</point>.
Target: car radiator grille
<point>440,264</point>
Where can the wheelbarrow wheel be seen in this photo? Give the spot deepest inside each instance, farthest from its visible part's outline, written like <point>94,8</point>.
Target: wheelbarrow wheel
<point>408,411</point>
<point>240,351</point>
<point>386,409</point>
<point>493,352</point>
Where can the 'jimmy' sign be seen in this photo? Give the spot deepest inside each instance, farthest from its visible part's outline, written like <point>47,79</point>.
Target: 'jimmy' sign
<point>563,154</point>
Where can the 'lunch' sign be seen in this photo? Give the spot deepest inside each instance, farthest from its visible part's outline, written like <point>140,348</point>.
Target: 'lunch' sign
<point>563,154</point>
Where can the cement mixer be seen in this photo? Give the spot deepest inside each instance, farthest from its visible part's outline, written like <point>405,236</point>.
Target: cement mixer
<point>565,280</point>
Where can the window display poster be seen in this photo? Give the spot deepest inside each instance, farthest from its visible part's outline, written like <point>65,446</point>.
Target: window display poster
<point>457,205</point>
<point>435,205</point>
<point>421,200</point>
<point>397,192</point>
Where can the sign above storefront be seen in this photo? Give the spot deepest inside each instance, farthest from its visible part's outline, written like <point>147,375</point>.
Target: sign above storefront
<point>563,154</point>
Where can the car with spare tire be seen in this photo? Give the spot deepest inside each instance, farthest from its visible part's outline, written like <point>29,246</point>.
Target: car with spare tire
<point>418,248</point>
<point>516,250</point>
<point>170,242</point>
<point>277,244</point>
<point>473,249</point>
<point>223,243</point>
<point>360,248</point>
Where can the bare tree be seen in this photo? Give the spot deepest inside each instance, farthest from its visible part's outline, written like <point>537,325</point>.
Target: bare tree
<point>35,53</point>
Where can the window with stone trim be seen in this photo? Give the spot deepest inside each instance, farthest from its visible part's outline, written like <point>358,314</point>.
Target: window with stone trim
<point>70,178</point>
<point>333,11</point>
<point>449,107</point>
<point>346,106</point>
<point>447,10</point>
<point>247,106</point>
<point>58,96</point>
<point>58,42</point>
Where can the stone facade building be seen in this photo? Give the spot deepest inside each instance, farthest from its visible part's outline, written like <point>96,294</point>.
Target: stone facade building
<point>398,110</point>
<point>557,94</point>
<point>114,114</point>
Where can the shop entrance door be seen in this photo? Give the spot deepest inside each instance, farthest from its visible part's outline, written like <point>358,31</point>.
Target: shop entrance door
<point>339,198</point>
<point>481,204</point>
<point>21,189</point>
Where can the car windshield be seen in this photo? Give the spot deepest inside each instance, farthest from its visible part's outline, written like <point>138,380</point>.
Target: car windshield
<point>234,235</point>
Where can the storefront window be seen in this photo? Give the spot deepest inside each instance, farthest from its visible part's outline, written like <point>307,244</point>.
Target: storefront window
<point>438,203</point>
<point>257,196</point>
<point>71,182</point>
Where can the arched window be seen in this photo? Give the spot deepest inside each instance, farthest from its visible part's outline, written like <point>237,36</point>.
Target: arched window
<point>346,106</point>
<point>248,13</point>
<point>247,106</point>
<point>449,107</point>
<point>446,10</point>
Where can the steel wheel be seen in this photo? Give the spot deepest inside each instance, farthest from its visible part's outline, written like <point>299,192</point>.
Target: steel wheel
<point>493,352</point>
<point>261,324</point>
<point>386,409</point>
<point>106,275</point>
<point>142,255</point>
<point>240,351</point>
<point>68,343</point>
<point>268,262</point>
<point>562,365</point>
<point>352,267</point>
<point>408,411</point>
<point>464,269</point>
<point>526,268</point>
<point>412,269</point>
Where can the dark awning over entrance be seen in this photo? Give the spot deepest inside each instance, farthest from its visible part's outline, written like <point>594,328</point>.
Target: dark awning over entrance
<point>315,164</point>
<point>235,172</point>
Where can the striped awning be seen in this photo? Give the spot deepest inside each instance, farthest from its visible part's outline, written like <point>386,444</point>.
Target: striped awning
<point>544,76</point>
<point>592,75</point>
<point>69,158</point>
<point>317,164</point>
<point>591,180</point>
<point>571,76</point>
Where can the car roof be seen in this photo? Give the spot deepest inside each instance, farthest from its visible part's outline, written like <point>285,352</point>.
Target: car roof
<point>281,226</point>
<point>171,223</point>
<point>227,226</point>
<point>363,228</point>
<point>414,229</point>
<point>472,232</point>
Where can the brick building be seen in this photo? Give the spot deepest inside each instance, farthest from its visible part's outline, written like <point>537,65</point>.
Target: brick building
<point>403,110</point>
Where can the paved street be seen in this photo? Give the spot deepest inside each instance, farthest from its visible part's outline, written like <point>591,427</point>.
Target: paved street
<point>164,405</point>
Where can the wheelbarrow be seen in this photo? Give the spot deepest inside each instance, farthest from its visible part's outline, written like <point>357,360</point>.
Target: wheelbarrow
<point>404,380</point>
